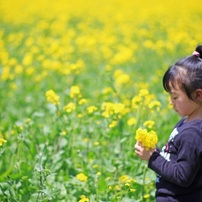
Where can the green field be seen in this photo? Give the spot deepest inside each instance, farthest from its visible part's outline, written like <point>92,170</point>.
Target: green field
<point>77,79</point>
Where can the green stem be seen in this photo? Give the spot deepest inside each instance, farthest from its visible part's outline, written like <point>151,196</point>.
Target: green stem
<point>143,180</point>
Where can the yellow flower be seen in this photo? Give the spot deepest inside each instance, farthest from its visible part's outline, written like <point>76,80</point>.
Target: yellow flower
<point>127,184</point>
<point>110,108</point>
<point>149,124</point>
<point>81,177</point>
<point>117,187</point>
<point>83,199</point>
<point>86,140</point>
<point>113,124</point>
<point>123,55</point>
<point>95,166</point>
<point>147,139</point>
<point>2,141</point>
<point>155,104</point>
<point>132,190</point>
<point>27,60</point>
<point>118,108</point>
<point>96,143</point>
<point>80,116</point>
<point>145,98</point>
<point>121,77</point>
<point>91,109</point>
<point>146,196</point>
<point>107,108</point>
<point>136,100</point>
<point>125,179</point>
<point>74,91</point>
<point>131,121</point>
<point>63,133</point>
<point>70,107</point>
<point>143,92</point>
<point>98,174</point>
<point>52,97</point>
<point>82,101</point>
<point>107,90</point>
<point>28,120</point>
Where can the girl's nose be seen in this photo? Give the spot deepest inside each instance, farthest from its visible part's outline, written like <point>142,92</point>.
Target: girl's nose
<point>171,102</point>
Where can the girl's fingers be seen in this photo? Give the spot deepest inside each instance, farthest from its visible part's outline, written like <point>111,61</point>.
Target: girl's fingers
<point>138,146</point>
<point>138,149</point>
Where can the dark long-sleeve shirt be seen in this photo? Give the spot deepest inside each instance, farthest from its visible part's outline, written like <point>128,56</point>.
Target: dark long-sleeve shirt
<point>179,164</point>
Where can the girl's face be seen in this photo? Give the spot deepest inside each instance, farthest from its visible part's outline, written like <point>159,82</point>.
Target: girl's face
<point>183,105</point>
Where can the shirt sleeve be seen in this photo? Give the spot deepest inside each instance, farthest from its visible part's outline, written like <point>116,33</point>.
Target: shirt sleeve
<point>182,170</point>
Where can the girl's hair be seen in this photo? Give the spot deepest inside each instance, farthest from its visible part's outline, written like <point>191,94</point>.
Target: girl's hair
<point>186,73</point>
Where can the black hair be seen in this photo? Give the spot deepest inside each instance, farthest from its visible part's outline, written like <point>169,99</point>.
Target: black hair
<point>186,73</point>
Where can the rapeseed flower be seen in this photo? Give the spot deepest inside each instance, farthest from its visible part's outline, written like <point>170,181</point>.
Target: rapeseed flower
<point>83,199</point>
<point>146,100</point>
<point>96,143</point>
<point>143,92</point>
<point>136,100</point>
<point>63,133</point>
<point>52,97</point>
<point>98,174</point>
<point>107,108</point>
<point>148,139</point>
<point>126,180</point>
<point>2,140</point>
<point>123,55</point>
<point>95,166</point>
<point>107,90</point>
<point>149,124</point>
<point>91,109</point>
<point>131,121</point>
<point>6,74</point>
<point>86,140</point>
<point>81,177</point>
<point>27,60</point>
<point>132,190</point>
<point>70,107</point>
<point>75,91</point>
<point>121,77</point>
<point>146,196</point>
<point>110,108</point>
<point>118,108</point>
<point>113,124</point>
<point>155,104</point>
<point>82,101</point>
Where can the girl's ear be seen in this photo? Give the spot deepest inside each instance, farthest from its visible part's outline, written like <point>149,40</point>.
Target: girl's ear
<point>198,94</point>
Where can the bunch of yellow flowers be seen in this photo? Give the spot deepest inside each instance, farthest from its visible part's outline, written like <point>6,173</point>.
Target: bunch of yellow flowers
<point>148,139</point>
<point>52,97</point>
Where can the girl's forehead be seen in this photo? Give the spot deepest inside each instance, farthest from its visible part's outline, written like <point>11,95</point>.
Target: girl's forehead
<point>174,85</point>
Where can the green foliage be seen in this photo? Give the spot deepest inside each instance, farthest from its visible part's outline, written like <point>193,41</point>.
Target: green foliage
<point>104,70</point>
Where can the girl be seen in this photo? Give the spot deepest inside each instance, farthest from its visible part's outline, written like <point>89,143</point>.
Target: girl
<point>179,164</point>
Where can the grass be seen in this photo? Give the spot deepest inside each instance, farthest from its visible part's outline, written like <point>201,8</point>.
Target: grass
<point>104,62</point>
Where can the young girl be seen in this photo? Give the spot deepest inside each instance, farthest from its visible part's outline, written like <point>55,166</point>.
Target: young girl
<point>179,164</point>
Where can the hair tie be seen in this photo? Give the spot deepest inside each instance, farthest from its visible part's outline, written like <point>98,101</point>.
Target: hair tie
<point>195,53</point>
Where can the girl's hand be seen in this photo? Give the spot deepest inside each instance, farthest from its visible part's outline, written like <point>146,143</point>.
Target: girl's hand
<point>142,152</point>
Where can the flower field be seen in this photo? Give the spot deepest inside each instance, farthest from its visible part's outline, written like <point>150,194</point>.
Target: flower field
<point>80,81</point>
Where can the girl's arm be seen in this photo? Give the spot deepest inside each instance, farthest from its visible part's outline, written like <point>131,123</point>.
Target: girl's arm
<point>181,171</point>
